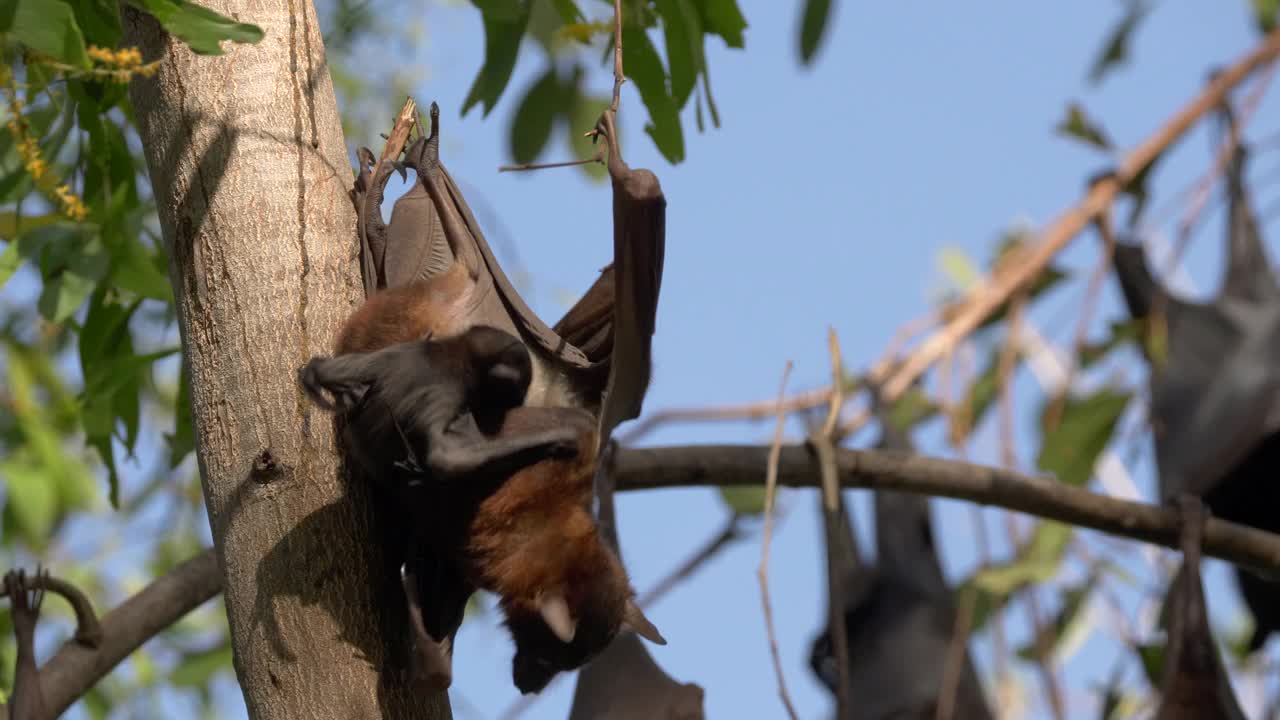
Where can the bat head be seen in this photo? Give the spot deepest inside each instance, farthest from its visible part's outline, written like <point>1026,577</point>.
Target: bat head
<point>502,369</point>
<point>564,630</point>
<point>562,627</point>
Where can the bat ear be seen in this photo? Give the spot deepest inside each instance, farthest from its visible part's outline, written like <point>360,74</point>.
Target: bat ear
<point>633,619</point>
<point>555,613</point>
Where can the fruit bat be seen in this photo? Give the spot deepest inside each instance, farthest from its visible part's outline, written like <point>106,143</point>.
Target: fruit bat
<point>433,232</point>
<point>899,615</point>
<point>434,237</point>
<point>419,402</point>
<point>534,543</point>
<point>1214,387</point>
<point>25,598</point>
<point>624,682</point>
<point>1194,684</point>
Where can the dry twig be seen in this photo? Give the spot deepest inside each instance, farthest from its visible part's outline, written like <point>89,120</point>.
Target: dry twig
<point>1020,271</point>
<point>762,573</point>
<point>823,446</point>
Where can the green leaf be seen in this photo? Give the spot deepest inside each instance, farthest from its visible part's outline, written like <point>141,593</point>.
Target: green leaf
<point>1152,656</point>
<point>723,18</point>
<point>11,221</point>
<point>504,25</point>
<point>1071,449</point>
<point>1064,630</point>
<point>99,19</point>
<point>911,409</point>
<point>958,267</point>
<point>1120,334</point>
<point>9,262</point>
<point>47,26</point>
<point>182,441</point>
<point>535,117</point>
<point>1265,12</point>
<point>682,35</point>
<point>584,110</point>
<point>1078,125</point>
<point>979,397</point>
<point>1116,50</point>
<point>31,498</point>
<point>1037,561</point>
<point>744,499</point>
<point>568,10</point>
<point>197,668</point>
<point>197,26</point>
<point>813,27</point>
<point>644,67</point>
<point>62,295</point>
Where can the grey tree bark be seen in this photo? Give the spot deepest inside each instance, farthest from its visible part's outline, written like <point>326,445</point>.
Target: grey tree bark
<point>250,173</point>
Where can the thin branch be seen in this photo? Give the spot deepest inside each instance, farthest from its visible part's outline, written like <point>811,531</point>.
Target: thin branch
<point>739,465</point>
<point>823,446</point>
<point>1091,294</point>
<point>75,668</point>
<point>951,671</point>
<point>599,157</point>
<point>618,77</point>
<point>593,133</point>
<point>696,560</point>
<point>755,410</point>
<point>762,573</point>
<point>985,299</point>
<point>1228,148</point>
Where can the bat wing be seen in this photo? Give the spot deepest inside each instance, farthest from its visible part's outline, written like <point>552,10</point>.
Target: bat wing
<point>1249,276</point>
<point>1213,395</point>
<point>588,325</point>
<point>531,326</point>
<point>416,245</point>
<point>1212,400</point>
<point>624,683</point>
<point>639,246</point>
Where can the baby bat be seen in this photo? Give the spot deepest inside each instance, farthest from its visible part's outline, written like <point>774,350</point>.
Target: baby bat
<point>534,543</point>
<point>28,700</point>
<point>419,401</point>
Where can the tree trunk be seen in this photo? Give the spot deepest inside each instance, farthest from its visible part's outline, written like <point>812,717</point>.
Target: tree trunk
<point>250,173</point>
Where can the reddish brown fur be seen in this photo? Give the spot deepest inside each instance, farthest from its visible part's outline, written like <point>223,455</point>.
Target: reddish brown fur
<point>536,533</point>
<point>408,312</point>
<point>533,535</point>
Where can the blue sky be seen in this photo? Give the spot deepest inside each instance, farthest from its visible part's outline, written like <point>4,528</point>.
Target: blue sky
<point>824,200</point>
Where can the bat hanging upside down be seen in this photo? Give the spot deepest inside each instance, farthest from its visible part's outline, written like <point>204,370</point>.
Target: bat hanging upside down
<point>500,492</point>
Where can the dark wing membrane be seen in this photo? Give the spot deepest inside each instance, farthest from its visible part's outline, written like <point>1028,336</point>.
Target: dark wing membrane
<point>588,325</point>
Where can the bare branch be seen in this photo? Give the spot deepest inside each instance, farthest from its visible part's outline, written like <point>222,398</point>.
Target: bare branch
<point>739,465</point>
<point>762,573</point>
<point>1017,274</point>
<point>832,510</point>
<point>75,668</point>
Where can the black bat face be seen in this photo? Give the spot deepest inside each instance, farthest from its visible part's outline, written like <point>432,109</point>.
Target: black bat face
<point>502,365</point>
<point>540,654</point>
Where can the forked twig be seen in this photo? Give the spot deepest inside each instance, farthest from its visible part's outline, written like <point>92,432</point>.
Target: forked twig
<point>762,573</point>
